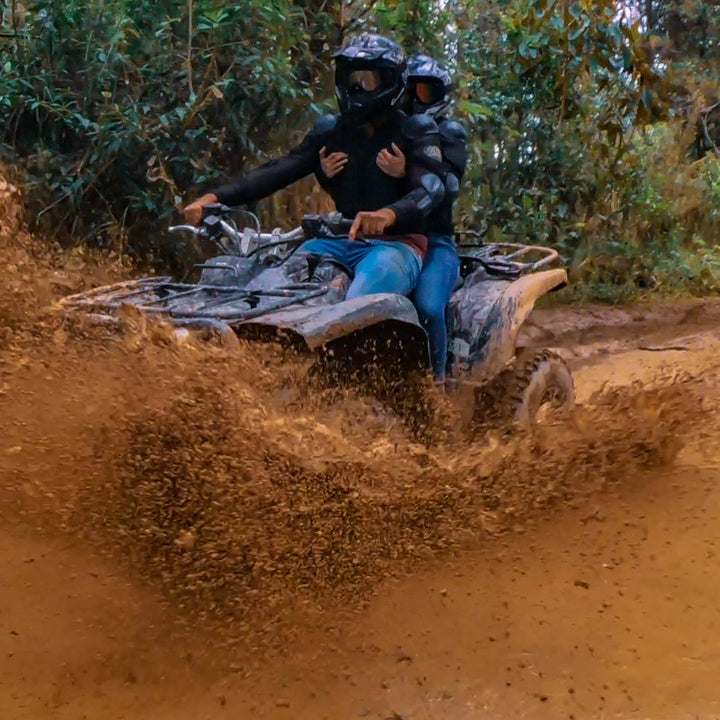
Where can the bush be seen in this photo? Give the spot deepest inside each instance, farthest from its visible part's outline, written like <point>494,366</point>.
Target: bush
<point>115,114</point>
<point>582,132</point>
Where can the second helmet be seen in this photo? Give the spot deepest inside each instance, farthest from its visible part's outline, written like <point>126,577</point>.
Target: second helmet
<point>429,86</point>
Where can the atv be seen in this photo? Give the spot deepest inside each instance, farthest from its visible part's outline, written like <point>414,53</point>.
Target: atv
<point>262,287</point>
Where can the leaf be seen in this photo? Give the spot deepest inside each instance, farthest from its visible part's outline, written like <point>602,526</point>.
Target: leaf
<point>627,59</point>
<point>615,33</point>
<point>576,10</point>
<point>557,22</point>
<point>475,108</point>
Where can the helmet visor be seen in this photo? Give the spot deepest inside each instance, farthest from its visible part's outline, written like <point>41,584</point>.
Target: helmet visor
<point>367,81</point>
<point>427,92</point>
<point>355,78</point>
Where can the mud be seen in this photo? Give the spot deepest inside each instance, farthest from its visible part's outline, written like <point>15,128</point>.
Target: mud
<point>190,532</point>
<point>223,480</point>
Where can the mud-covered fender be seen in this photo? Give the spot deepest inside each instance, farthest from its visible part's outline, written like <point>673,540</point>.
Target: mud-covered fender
<point>485,318</point>
<point>322,325</point>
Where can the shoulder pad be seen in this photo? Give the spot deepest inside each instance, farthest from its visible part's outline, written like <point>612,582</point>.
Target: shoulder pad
<point>418,125</point>
<point>453,130</point>
<point>325,124</point>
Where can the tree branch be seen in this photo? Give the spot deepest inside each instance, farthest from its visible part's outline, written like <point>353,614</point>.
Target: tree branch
<point>354,21</point>
<point>189,50</point>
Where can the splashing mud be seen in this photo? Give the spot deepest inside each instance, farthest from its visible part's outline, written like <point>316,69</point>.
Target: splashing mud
<point>235,483</point>
<point>233,486</point>
<point>220,475</point>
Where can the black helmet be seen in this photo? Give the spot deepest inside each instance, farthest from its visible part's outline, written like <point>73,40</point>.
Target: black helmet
<point>370,76</point>
<point>429,86</point>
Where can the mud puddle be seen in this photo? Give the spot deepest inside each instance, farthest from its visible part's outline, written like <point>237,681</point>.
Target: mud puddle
<point>607,612</point>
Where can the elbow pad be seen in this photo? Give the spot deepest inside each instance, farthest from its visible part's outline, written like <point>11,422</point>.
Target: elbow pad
<point>412,210</point>
<point>453,137</point>
<point>452,187</point>
<point>434,189</point>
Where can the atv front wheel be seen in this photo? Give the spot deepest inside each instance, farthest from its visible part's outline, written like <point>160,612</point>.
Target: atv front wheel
<point>542,389</point>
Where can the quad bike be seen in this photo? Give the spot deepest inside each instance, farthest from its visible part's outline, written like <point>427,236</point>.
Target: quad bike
<point>262,287</point>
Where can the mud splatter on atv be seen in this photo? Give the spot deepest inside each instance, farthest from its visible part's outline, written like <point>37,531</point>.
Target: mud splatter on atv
<point>263,287</point>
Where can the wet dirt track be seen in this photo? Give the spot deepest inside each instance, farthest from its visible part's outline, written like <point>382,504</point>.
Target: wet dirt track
<point>604,609</point>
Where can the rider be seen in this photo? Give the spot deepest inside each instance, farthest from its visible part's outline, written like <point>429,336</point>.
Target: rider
<point>429,87</point>
<point>389,213</point>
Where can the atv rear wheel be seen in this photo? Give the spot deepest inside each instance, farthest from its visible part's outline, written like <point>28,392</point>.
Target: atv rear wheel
<point>542,388</point>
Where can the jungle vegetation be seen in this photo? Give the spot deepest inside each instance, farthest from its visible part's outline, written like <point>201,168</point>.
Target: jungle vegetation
<point>594,125</point>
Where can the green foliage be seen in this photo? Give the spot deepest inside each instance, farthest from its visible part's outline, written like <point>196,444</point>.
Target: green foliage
<point>557,95</point>
<point>660,236</point>
<point>590,122</point>
<point>418,25</point>
<point>118,108</point>
<point>549,97</point>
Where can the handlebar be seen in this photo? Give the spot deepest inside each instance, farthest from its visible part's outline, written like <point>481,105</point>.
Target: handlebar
<point>188,228</point>
<point>273,238</point>
<point>217,225</point>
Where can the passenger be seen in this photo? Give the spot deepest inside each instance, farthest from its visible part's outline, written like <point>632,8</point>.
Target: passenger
<point>429,87</point>
<point>389,213</point>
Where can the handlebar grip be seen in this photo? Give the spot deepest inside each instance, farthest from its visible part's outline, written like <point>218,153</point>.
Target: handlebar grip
<point>326,226</point>
<point>214,209</point>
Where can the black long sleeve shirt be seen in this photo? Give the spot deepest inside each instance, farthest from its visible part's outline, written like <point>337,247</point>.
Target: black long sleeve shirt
<point>361,185</point>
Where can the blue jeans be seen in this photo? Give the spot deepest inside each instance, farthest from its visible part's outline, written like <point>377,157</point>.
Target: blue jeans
<point>432,293</point>
<point>377,266</point>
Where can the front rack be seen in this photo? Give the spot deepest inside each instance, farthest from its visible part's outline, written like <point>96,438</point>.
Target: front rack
<point>185,301</point>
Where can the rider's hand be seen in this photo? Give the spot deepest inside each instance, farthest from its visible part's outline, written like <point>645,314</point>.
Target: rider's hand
<point>193,212</point>
<point>332,164</point>
<point>391,162</point>
<point>372,223</point>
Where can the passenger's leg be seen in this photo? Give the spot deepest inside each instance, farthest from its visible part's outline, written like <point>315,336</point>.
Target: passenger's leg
<point>434,287</point>
<point>385,268</point>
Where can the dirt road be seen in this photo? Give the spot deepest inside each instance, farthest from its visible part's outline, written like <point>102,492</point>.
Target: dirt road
<point>604,608</point>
